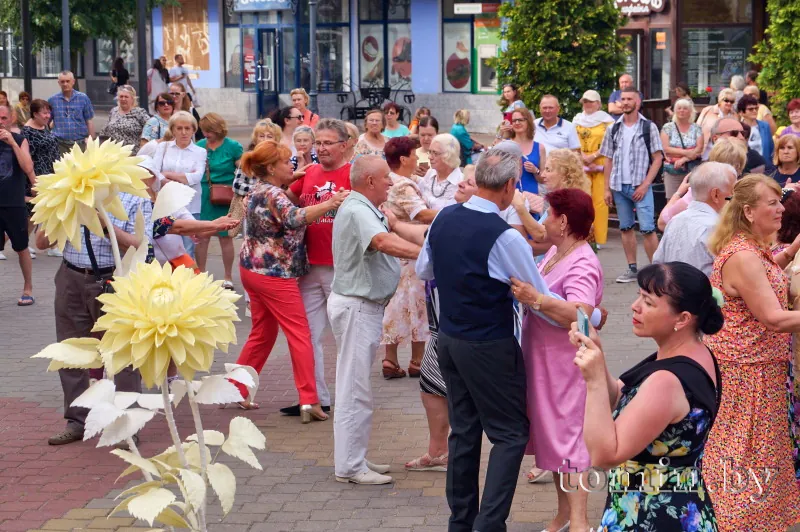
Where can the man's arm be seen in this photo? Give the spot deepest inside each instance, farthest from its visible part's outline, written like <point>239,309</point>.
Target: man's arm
<point>391,244</point>
<point>23,154</point>
<point>90,127</point>
<point>425,216</point>
<point>414,233</point>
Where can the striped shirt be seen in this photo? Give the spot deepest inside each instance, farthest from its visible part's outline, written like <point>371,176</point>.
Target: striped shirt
<point>639,159</point>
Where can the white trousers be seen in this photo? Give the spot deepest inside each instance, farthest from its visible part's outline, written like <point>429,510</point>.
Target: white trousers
<point>315,288</point>
<point>357,325</point>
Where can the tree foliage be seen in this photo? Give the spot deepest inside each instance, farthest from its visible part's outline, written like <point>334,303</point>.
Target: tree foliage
<point>561,47</point>
<point>779,55</point>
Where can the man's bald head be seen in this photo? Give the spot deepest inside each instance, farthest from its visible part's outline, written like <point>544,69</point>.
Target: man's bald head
<point>728,127</point>
<point>369,176</point>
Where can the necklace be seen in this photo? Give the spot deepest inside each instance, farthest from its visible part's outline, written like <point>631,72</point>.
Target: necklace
<point>557,258</point>
<point>433,192</point>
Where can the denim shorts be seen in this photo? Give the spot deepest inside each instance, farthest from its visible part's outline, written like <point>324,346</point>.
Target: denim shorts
<point>645,209</point>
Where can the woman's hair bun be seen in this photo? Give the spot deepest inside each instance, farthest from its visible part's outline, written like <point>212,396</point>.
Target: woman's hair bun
<point>713,320</point>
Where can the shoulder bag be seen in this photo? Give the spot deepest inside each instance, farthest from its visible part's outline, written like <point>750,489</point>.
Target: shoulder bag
<point>218,194</point>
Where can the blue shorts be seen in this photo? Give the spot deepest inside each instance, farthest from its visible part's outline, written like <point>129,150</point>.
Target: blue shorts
<point>645,209</point>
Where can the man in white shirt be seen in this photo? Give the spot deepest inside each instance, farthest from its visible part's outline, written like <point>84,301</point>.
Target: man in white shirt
<point>552,131</point>
<point>686,236</point>
<point>180,74</point>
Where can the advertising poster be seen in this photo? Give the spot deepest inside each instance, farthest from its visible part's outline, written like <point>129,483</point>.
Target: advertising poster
<point>457,57</point>
<point>371,55</point>
<point>731,63</point>
<point>185,32</point>
<point>400,48</point>
<point>487,44</point>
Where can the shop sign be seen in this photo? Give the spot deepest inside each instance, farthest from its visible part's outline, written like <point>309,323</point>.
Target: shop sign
<point>475,9</point>
<point>636,8</point>
<point>261,5</point>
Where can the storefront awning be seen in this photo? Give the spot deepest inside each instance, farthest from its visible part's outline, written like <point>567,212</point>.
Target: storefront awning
<point>261,5</point>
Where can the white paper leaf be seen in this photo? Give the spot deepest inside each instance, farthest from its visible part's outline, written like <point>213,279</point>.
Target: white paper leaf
<point>131,422</point>
<point>216,390</point>
<point>195,488</point>
<point>133,255</point>
<point>223,481</point>
<point>211,437</point>
<point>99,418</point>
<point>178,389</point>
<point>137,461</point>
<point>101,391</point>
<point>125,399</point>
<point>139,488</point>
<point>172,197</point>
<point>193,455</point>
<point>244,434</point>
<point>151,401</point>
<point>244,374</point>
<point>73,353</point>
<point>148,505</point>
<point>172,518</point>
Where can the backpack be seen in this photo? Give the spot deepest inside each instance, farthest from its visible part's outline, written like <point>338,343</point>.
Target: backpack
<point>646,136</point>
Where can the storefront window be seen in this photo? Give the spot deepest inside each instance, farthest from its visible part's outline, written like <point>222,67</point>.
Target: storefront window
<point>716,11</point>
<point>48,62</point>
<point>289,71</point>
<point>249,58</point>
<point>328,11</point>
<point>457,50</point>
<point>371,55</point>
<point>103,56</point>
<point>10,55</point>
<point>333,58</point>
<point>385,43</point>
<point>233,58</point>
<point>711,56</point>
<point>660,70</point>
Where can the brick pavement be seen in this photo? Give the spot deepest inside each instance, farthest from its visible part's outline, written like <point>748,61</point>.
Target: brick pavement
<point>72,487</point>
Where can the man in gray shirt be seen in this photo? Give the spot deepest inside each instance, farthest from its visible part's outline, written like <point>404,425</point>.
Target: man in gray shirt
<point>686,236</point>
<point>365,277</point>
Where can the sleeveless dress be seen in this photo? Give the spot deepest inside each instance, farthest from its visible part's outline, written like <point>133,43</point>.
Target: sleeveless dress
<point>662,488</point>
<point>591,138</point>
<point>528,183</point>
<point>752,430</point>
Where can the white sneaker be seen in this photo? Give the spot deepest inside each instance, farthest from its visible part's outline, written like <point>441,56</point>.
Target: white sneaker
<point>378,468</point>
<point>2,256</point>
<point>54,252</point>
<point>32,252</point>
<point>368,478</point>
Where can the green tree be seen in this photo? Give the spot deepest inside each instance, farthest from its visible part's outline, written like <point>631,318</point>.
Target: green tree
<point>561,47</point>
<point>779,55</point>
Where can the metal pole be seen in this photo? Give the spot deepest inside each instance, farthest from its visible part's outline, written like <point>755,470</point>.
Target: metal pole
<point>312,27</point>
<point>27,46</point>
<point>65,47</point>
<point>141,52</point>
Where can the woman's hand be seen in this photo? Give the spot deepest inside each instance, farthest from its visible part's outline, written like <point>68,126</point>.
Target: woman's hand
<point>680,163</point>
<point>518,201</point>
<point>589,357</point>
<point>523,292</point>
<point>684,188</point>
<point>530,167</point>
<point>505,127</point>
<point>338,198</point>
<point>391,218</point>
<point>300,172</point>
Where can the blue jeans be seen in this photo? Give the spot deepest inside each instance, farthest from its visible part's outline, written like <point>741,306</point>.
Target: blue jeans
<point>645,209</point>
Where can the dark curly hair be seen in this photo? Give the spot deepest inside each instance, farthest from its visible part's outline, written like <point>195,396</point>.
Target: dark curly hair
<point>790,223</point>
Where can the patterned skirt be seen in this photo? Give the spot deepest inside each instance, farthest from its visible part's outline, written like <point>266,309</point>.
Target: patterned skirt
<point>752,433</point>
<point>405,317</point>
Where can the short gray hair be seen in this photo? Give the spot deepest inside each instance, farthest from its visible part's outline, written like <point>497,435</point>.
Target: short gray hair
<point>335,125</point>
<point>303,130</point>
<point>709,176</point>
<point>497,168</point>
<point>362,167</point>
<point>181,116</point>
<point>738,83</point>
<point>451,149</point>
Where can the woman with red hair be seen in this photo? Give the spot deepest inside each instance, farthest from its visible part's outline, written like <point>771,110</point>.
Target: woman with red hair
<point>793,110</point>
<point>556,391</point>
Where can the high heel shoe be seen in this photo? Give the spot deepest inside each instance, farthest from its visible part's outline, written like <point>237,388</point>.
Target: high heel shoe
<point>308,414</point>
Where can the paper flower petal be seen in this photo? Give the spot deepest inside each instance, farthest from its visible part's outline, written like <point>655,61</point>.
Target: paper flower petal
<point>170,517</point>
<point>101,391</point>
<point>151,401</point>
<point>244,434</point>
<point>178,389</point>
<point>223,481</point>
<point>172,197</point>
<point>131,422</point>
<point>216,389</point>
<point>99,418</point>
<point>211,437</point>
<point>125,399</point>
<point>151,503</point>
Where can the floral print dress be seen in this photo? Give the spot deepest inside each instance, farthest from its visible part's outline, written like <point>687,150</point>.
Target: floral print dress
<point>662,488</point>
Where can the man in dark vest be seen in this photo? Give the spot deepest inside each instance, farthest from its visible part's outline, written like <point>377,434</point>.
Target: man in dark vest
<point>472,253</point>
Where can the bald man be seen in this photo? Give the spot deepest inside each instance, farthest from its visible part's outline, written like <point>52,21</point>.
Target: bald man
<point>552,131</point>
<point>365,276</point>
<point>614,103</point>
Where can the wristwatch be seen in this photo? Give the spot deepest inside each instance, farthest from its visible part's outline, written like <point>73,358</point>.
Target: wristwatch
<point>537,304</point>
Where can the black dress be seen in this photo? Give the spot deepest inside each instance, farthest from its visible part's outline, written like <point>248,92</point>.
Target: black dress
<point>122,76</point>
<point>662,488</point>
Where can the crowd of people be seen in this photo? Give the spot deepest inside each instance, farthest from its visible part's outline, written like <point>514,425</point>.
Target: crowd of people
<point>482,259</point>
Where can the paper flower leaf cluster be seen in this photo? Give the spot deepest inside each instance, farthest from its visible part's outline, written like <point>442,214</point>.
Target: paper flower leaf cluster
<point>83,182</point>
<point>156,315</point>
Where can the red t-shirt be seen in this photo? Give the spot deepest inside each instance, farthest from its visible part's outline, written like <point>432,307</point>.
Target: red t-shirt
<point>316,187</point>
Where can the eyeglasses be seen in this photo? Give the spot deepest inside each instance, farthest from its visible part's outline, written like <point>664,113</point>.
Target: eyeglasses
<point>434,153</point>
<point>518,121</point>
<point>176,93</point>
<point>732,133</point>
<point>726,100</point>
<point>326,144</point>
<point>162,103</point>
<point>297,117</point>
<point>751,109</point>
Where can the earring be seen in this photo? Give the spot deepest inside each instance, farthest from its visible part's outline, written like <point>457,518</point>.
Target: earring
<point>675,329</point>
<point>562,232</point>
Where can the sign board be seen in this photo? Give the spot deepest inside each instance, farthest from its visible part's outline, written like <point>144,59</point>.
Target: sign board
<point>475,9</point>
<point>636,8</point>
<point>261,5</point>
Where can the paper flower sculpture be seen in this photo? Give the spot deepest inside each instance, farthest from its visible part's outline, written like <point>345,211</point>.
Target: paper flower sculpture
<point>156,315</point>
<point>84,183</point>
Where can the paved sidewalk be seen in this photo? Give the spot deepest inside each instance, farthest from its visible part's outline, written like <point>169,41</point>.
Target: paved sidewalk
<point>72,487</point>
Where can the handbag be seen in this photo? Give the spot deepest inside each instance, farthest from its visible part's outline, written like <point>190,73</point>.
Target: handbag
<point>237,212</point>
<point>112,87</point>
<point>218,194</point>
<point>688,167</point>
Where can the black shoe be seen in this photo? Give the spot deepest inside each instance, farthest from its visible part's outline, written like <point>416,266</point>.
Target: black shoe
<point>294,410</point>
<point>66,436</point>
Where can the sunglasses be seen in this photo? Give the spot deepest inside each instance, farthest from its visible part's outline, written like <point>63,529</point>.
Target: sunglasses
<point>751,109</point>
<point>176,93</point>
<point>726,100</point>
<point>733,133</point>
<point>162,103</point>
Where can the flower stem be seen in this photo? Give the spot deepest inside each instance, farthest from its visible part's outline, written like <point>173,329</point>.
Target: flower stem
<point>135,450</point>
<point>201,440</point>
<point>112,236</point>
<point>173,428</point>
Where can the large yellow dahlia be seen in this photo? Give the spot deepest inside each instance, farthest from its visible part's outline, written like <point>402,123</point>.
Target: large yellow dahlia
<point>156,315</point>
<point>83,182</point>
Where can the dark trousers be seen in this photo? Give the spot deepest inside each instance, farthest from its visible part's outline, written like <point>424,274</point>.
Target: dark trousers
<point>65,145</point>
<point>77,309</point>
<point>486,392</point>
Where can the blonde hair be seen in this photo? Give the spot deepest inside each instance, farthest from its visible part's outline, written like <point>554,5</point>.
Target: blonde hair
<point>730,152</point>
<point>301,91</point>
<point>215,124</point>
<point>468,171</point>
<point>265,126</point>
<point>181,116</point>
<point>684,102</point>
<point>130,90</point>
<point>352,131</point>
<point>726,93</point>
<point>732,219</point>
<point>752,90</point>
<point>461,117</point>
<point>567,163</point>
<point>783,141</point>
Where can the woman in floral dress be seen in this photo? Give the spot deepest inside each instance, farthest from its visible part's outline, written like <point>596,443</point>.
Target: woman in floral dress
<point>752,431</point>
<point>654,453</point>
<point>126,121</point>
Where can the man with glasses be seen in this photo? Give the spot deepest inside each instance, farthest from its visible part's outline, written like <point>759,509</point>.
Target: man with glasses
<point>72,114</point>
<point>318,184</point>
<point>739,132</point>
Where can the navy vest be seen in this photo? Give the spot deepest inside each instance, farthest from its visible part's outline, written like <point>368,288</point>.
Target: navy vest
<point>472,305</point>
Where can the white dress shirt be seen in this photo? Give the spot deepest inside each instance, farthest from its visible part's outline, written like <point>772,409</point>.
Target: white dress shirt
<point>190,160</point>
<point>686,237</point>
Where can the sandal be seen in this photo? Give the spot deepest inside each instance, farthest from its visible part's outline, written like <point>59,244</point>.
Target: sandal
<point>25,301</point>
<point>393,371</point>
<point>537,476</point>
<point>426,463</point>
<point>414,368</point>
<point>227,285</point>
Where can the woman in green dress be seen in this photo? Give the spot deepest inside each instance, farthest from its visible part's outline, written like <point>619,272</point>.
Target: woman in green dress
<point>223,159</point>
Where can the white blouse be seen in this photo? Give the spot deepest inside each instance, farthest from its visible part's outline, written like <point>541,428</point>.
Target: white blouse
<point>440,194</point>
<point>190,161</point>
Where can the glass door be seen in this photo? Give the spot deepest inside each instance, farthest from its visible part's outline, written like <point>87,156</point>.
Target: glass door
<point>267,71</point>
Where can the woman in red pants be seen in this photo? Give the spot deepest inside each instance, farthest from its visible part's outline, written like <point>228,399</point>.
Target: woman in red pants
<point>272,258</point>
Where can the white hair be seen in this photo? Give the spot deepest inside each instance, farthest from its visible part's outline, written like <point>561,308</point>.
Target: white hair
<point>709,176</point>
<point>363,167</point>
<point>684,103</point>
<point>451,149</point>
<point>303,130</point>
<point>738,83</point>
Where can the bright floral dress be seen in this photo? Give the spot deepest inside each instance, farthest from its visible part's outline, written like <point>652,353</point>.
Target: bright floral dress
<point>662,488</point>
<point>752,431</point>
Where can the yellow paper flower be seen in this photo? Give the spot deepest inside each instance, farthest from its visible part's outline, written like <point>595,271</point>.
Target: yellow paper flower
<point>83,182</point>
<point>156,315</point>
